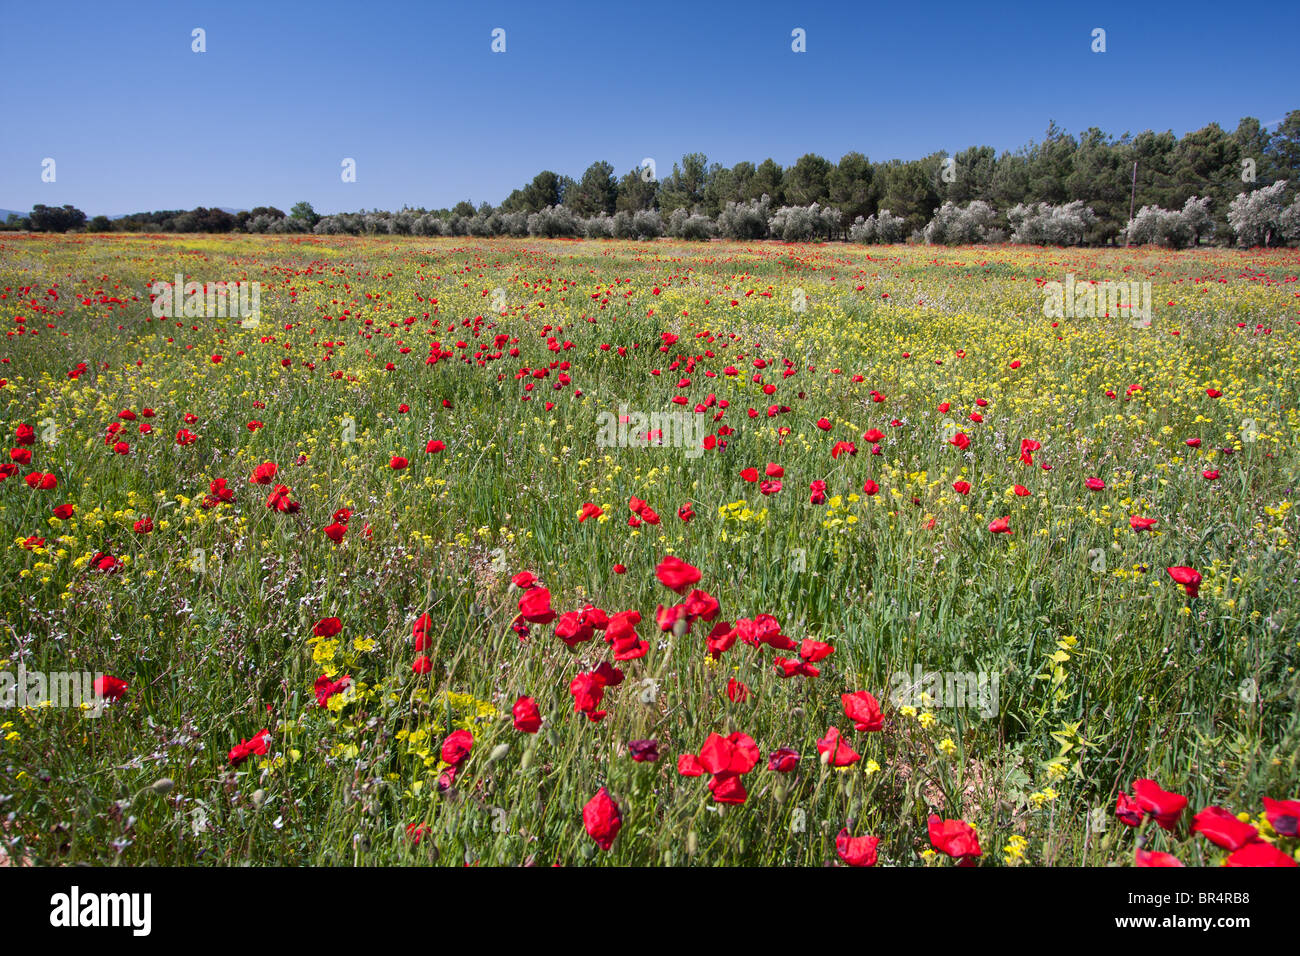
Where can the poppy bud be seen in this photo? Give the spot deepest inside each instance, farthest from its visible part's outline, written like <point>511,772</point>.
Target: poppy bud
<point>162,785</point>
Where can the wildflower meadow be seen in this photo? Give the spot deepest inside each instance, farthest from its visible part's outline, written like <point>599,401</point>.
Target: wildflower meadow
<point>526,551</point>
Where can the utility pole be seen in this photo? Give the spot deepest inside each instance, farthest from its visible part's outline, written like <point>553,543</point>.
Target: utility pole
<point>1132,196</point>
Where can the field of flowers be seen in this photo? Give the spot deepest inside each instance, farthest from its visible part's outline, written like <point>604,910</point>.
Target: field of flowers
<point>914,575</point>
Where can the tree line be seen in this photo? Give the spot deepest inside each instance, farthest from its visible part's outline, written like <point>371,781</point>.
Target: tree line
<point>1063,189</point>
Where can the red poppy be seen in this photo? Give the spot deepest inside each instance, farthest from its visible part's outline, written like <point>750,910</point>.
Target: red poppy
<point>590,510</point>
<point>1166,807</point>
<point>535,606</point>
<point>1283,816</point>
<point>602,819</point>
<point>109,687</point>
<point>863,710</point>
<point>1141,524</point>
<point>1223,829</point>
<point>783,759</point>
<point>397,463</point>
<point>835,751</point>
<point>675,574</point>
<point>325,688</point>
<point>1189,578</point>
<point>1001,525</point>
<point>1259,853</point>
<point>422,665</point>
<point>335,531</point>
<point>257,744</point>
<point>1128,811</point>
<point>961,440</point>
<point>856,851</point>
<point>528,719</point>
<point>643,751</point>
<point>1154,858</point>
<point>264,473</point>
<point>957,838</point>
<point>456,748</point>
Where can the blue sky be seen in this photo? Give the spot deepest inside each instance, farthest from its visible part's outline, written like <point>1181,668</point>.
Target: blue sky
<point>137,121</point>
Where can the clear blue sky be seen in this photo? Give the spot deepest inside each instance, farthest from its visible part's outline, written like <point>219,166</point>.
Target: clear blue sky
<point>136,121</point>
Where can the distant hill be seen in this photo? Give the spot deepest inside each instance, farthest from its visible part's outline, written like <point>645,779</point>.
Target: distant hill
<point>5,213</point>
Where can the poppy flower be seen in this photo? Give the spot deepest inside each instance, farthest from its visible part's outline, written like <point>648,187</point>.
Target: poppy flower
<point>109,687</point>
<point>1128,811</point>
<point>843,448</point>
<point>1223,829</point>
<point>1259,853</point>
<point>856,851</point>
<point>835,751</point>
<point>64,512</point>
<point>1283,816</point>
<point>528,719</point>
<point>956,838</point>
<point>257,744</point>
<point>870,488</point>
<point>434,446</point>
<point>1164,806</point>
<point>422,665</point>
<point>1189,578</point>
<point>264,473</point>
<point>1141,524</point>
<point>817,494</point>
<point>1095,484</point>
<point>335,531</point>
<point>783,759</point>
<point>1000,525</point>
<point>675,574</point>
<point>686,512</point>
<point>960,440</point>
<point>535,606</point>
<point>769,487</point>
<point>1155,858</point>
<point>643,751</point>
<point>456,748</point>
<point>397,463</point>
<point>863,709</point>
<point>750,475</point>
<point>736,691</point>
<point>590,510</point>
<point>325,688</point>
<point>588,689</point>
<point>873,435</point>
<point>961,487</point>
<point>824,424</point>
<point>1210,474</point>
<point>602,819</point>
